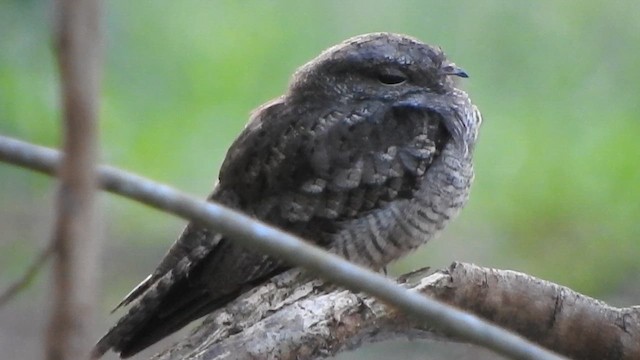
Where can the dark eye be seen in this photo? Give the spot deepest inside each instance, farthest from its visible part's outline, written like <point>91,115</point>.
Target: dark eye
<point>391,79</point>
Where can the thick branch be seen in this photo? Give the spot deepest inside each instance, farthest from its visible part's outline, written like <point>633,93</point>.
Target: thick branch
<point>251,233</point>
<point>293,317</point>
<point>78,41</point>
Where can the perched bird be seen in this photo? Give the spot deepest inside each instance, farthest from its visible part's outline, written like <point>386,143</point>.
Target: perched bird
<point>368,154</point>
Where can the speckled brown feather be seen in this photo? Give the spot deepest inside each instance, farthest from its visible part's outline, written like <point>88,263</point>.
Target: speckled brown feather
<point>365,169</point>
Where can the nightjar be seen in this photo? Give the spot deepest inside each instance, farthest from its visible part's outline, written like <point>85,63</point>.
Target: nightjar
<point>368,154</point>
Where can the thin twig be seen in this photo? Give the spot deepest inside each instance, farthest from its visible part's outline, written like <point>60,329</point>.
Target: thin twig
<point>258,235</point>
<point>21,284</point>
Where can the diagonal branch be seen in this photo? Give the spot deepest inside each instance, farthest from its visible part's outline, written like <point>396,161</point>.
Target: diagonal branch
<point>249,232</point>
<point>17,286</point>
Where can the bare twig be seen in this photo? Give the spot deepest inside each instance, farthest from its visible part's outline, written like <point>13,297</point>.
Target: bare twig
<point>78,44</point>
<point>249,232</point>
<point>323,322</point>
<point>19,285</point>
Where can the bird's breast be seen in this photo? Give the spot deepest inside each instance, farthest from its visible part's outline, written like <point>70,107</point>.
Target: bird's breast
<point>400,226</point>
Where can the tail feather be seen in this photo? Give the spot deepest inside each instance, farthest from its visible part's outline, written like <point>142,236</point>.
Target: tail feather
<point>164,304</point>
<point>138,315</point>
<point>135,293</point>
<point>187,251</point>
<point>160,327</point>
<point>166,307</point>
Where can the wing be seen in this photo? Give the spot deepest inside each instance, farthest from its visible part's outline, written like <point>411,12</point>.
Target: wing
<point>308,171</point>
<point>291,167</point>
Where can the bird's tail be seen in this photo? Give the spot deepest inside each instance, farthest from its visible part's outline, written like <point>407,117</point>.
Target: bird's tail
<point>161,311</point>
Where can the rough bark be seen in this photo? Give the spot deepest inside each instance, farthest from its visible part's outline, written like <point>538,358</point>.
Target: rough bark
<point>294,317</point>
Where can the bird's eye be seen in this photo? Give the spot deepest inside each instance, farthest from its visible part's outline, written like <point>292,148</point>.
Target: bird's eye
<point>391,79</point>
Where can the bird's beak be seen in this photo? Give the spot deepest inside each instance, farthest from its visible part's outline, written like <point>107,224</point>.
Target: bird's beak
<point>453,69</point>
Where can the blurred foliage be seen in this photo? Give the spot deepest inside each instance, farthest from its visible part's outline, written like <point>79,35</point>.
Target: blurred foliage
<point>557,191</point>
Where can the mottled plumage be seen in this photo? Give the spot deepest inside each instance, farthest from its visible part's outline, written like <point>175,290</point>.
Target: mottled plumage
<point>368,153</point>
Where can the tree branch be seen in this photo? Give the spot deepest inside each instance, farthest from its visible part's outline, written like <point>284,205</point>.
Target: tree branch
<point>78,43</point>
<point>251,233</point>
<point>17,286</point>
<point>313,321</point>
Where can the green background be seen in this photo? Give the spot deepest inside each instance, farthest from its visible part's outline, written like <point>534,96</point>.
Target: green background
<point>557,192</point>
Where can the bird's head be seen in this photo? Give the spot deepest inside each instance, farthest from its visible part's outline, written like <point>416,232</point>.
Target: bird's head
<point>398,70</point>
<point>378,65</point>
